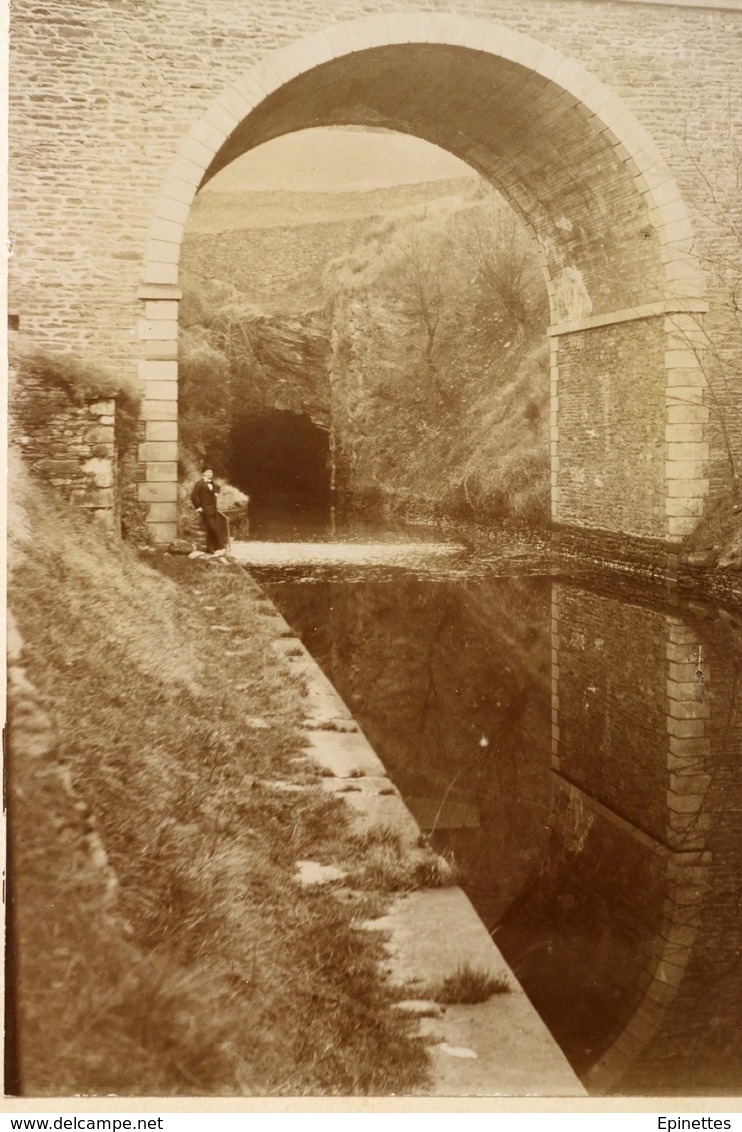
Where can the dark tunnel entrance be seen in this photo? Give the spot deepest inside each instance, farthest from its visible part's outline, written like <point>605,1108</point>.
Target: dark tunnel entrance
<point>282,460</point>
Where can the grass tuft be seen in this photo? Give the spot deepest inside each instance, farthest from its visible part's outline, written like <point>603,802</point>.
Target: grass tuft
<point>437,871</point>
<point>391,866</point>
<point>466,985</point>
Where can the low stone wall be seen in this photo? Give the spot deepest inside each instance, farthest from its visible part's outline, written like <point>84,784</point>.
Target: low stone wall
<point>724,586</point>
<point>608,556</point>
<point>72,446</point>
<point>651,559</point>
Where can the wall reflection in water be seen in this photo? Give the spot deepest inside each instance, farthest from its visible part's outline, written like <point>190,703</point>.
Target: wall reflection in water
<point>581,754</point>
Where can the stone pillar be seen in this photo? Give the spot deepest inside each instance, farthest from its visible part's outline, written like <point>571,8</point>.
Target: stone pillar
<point>629,449</point>
<point>158,374</point>
<point>686,425</point>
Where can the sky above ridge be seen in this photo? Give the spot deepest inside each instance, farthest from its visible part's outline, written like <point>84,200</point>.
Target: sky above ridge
<point>336,159</point>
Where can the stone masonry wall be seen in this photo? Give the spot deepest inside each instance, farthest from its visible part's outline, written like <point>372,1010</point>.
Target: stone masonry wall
<point>695,1037</point>
<point>102,94</point>
<point>611,427</point>
<point>678,795</point>
<point>611,714</point>
<point>72,446</point>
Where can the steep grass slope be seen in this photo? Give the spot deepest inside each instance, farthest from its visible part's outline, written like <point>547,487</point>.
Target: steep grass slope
<point>161,944</point>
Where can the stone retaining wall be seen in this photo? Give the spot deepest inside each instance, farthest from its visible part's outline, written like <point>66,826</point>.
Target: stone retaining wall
<point>72,446</point>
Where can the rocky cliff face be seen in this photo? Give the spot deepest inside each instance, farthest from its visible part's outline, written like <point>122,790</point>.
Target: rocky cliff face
<point>237,365</point>
<point>419,345</point>
<point>254,328</point>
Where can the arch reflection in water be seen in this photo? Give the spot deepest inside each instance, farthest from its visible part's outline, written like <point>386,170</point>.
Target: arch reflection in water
<point>646,748</point>
<point>598,823</point>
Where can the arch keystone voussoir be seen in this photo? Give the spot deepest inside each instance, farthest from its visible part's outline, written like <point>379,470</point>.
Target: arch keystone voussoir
<point>622,125</point>
<point>538,58</point>
<point>167,209</point>
<point>288,62</point>
<point>196,152</point>
<point>176,189</point>
<point>612,112</point>
<point>452,30</point>
<point>159,251</point>
<point>266,78</point>
<point>597,97</point>
<point>208,135</point>
<point>667,193</point>
<point>318,48</point>
<point>169,231</point>
<point>240,101</point>
<point>339,40</point>
<point>508,44</point>
<point>414,27</point>
<point>221,119</point>
<point>680,233</point>
<point>366,34</point>
<point>499,41</point>
<point>187,171</point>
<point>302,59</point>
<point>560,69</point>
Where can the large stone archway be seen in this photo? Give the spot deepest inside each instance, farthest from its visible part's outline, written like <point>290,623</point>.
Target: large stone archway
<point>628,440</point>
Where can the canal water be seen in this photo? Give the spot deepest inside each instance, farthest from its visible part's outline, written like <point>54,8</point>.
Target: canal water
<point>577,748</point>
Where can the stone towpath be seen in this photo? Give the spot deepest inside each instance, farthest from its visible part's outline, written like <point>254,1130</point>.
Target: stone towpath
<point>496,1048</point>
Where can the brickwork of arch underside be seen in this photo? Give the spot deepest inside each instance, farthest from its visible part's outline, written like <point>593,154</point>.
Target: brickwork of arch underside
<point>628,444</point>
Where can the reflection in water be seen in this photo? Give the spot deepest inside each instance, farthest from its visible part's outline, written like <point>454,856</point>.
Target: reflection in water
<point>581,755</point>
<point>300,518</point>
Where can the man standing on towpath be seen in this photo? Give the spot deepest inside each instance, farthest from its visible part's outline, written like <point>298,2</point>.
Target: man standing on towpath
<point>204,498</point>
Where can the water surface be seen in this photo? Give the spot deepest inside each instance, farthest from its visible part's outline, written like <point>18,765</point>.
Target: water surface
<point>579,751</point>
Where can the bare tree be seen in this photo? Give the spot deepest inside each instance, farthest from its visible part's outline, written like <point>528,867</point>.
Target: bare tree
<point>503,257</point>
<point>420,296</point>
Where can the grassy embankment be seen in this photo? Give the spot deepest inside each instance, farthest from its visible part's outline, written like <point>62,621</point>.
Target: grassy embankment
<point>206,969</point>
<point>439,371</point>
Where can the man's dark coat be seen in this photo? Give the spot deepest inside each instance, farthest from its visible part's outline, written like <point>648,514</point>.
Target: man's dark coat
<point>205,497</point>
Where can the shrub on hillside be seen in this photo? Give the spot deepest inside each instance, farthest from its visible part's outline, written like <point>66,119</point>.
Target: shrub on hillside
<point>205,399</point>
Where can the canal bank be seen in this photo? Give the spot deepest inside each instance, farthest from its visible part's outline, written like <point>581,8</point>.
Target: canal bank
<point>186,958</point>
<point>499,1047</point>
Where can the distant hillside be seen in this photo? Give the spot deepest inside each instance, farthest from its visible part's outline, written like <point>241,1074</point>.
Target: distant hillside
<point>218,211</point>
<point>276,269</point>
<point>274,246</point>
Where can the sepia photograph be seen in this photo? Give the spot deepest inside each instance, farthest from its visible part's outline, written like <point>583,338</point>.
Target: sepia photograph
<point>374,552</point>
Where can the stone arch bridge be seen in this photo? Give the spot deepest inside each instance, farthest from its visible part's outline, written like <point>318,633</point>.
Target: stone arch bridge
<point>611,126</point>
